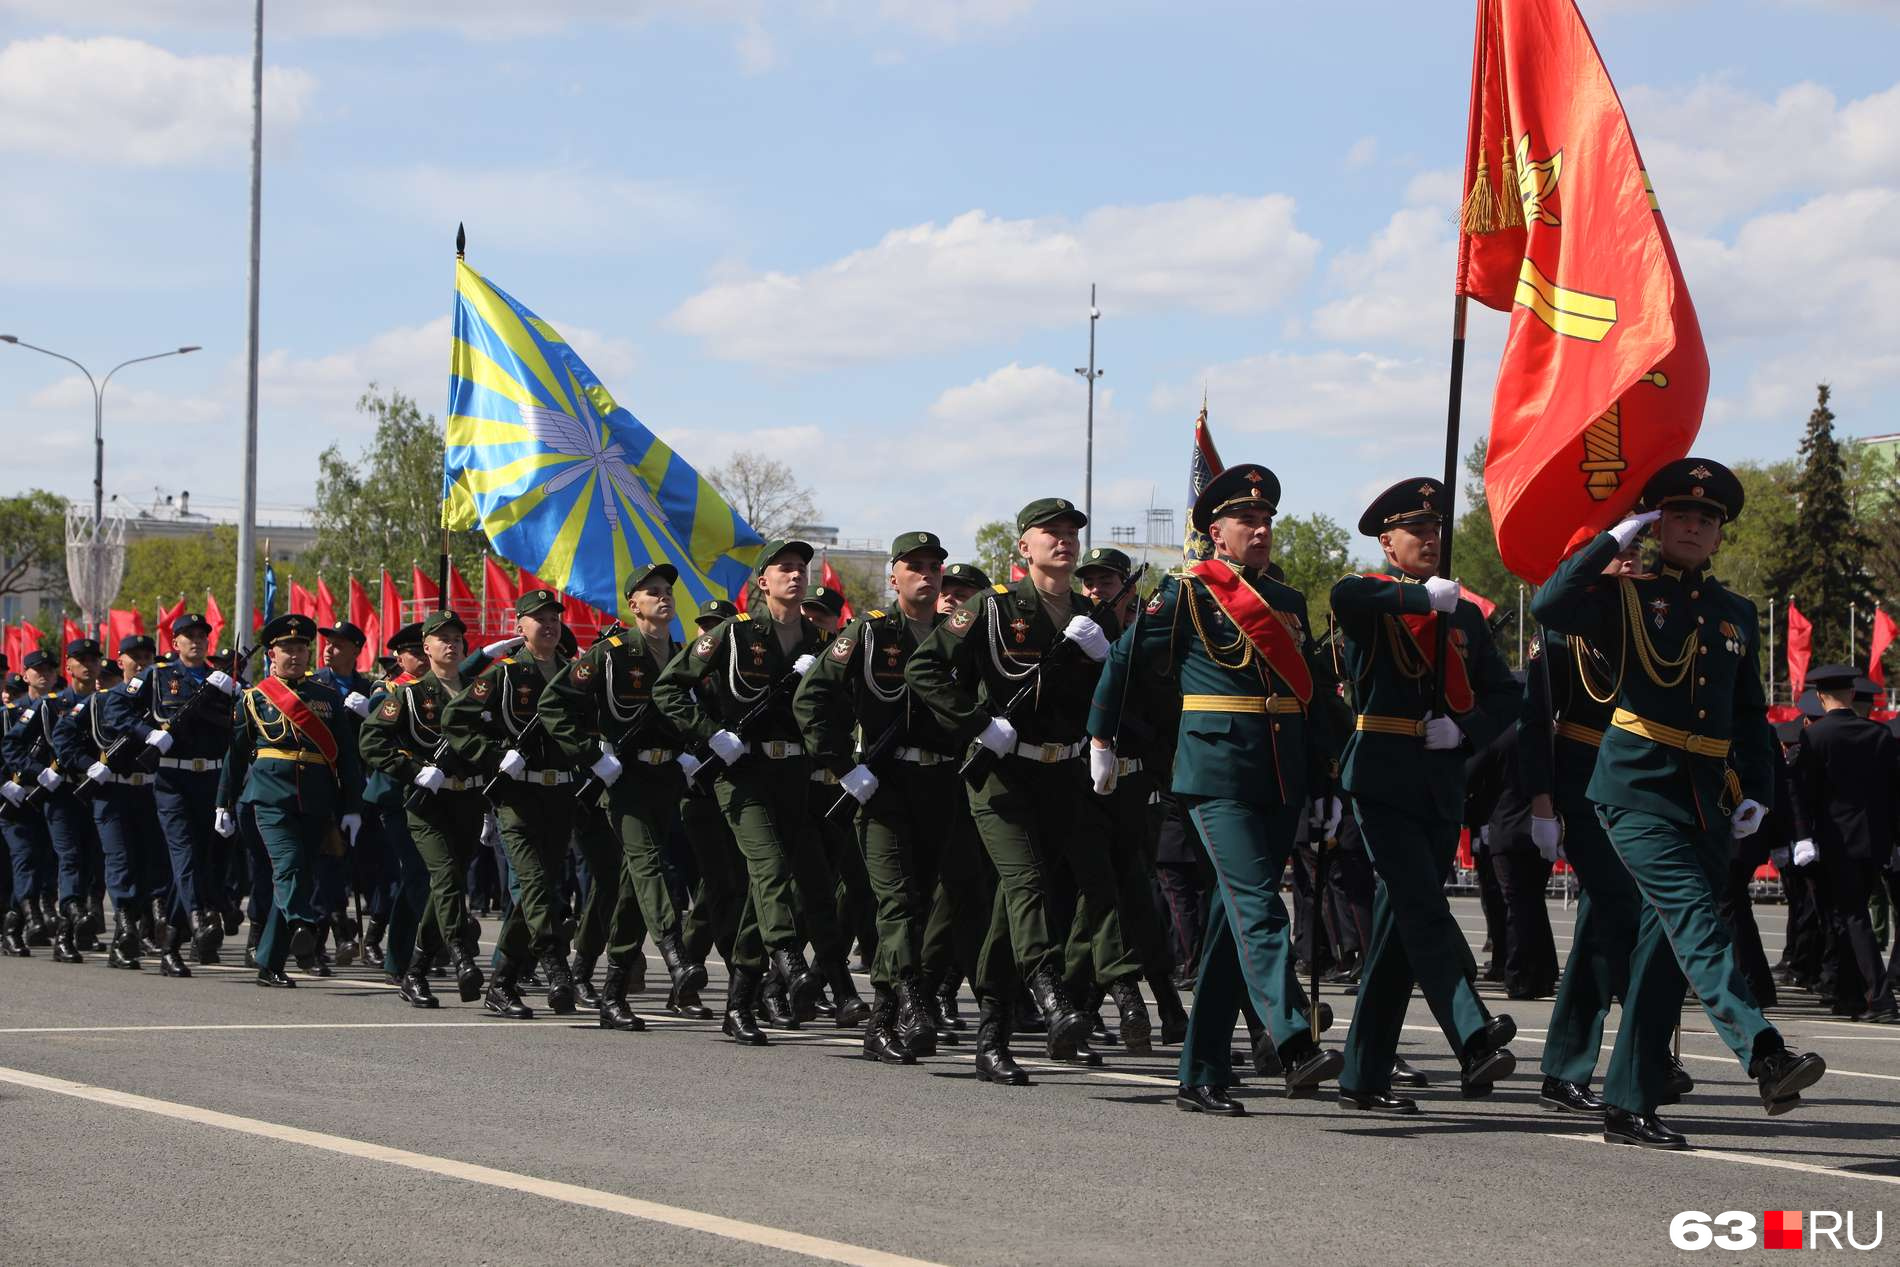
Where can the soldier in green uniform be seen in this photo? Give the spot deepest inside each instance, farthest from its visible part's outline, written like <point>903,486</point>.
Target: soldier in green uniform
<point>712,918</point>
<point>1027,800</point>
<point>600,711</point>
<point>856,903</point>
<point>1569,695</point>
<point>1684,769</point>
<point>1405,767</point>
<point>287,763</point>
<point>402,738</point>
<point>494,727</point>
<point>892,756</point>
<point>1259,726</point>
<point>762,780</point>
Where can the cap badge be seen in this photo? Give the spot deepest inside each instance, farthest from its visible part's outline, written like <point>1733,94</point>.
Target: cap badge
<point>1701,472</point>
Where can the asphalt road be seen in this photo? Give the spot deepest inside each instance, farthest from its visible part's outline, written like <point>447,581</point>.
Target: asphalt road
<point>207,1120</point>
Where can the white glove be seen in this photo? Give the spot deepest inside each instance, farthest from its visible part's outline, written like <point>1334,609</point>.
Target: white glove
<point>1547,834</point>
<point>13,792</point>
<point>99,772</point>
<point>1442,734</point>
<point>727,746</point>
<point>802,665</point>
<point>221,680</point>
<point>689,763</point>
<point>1746,818</point>
<point>1325,818</point>
<point>430,778</point>
<point>513,764</point>
<point>1443,593</point>
<point>1104,769</point>
<point>860,782</point>
<point>224,824</point>
<point>1088,635</point>
<point>1805,853</point>
<point>351,825</point>
<point>999,736</point>
<point>1632,528</point>
<point>50,779</point>
<point>357,703</point>
<point>607,769</point>
<point>159,739</point>
<point>496,650</point>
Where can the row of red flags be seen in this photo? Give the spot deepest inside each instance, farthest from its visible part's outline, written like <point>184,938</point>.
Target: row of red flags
<point>1801,647</point>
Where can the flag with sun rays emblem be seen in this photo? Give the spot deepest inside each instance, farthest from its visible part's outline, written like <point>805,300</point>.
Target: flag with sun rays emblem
<point>565,482</point>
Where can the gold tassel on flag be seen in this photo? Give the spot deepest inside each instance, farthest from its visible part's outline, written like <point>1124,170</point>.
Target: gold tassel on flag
<point>1481,208</point>
<point>1511,208</point>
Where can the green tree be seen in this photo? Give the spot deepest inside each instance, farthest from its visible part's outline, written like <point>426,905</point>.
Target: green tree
<point>1753,559</point>
<point>996,549</point>
<point>165,569</point>
<point>1474,541</point>
<point>1312,551</point>
<point>384,508</point>
<point>1826,547</point>
<point>33,544</point>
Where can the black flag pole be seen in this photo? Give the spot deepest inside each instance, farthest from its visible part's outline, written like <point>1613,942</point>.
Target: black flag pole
<point>442,560</point>
<point>1452,411</point>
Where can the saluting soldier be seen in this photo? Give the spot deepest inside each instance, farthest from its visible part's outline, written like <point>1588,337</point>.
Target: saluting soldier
<point>1028,801</point>
<point>1258,732</point>
<point>495,728</point>
<point>1405,767</point>
<point>600,711</point>
<point>1684,769</point>
<point>855,708</point>
<point>762,781</point>
<point>300,782</point>
<point>712,918</point>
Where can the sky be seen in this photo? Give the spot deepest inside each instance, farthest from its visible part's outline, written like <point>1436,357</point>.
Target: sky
<point>860,234</point>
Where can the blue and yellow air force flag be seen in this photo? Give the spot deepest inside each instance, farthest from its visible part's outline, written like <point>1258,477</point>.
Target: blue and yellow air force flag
<point>565,482</point>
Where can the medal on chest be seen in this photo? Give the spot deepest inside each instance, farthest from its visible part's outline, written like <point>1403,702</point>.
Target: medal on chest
<point>524,699</point>
<point>1019,630</point>
<point>758,655</point>
<point>1658,611</point>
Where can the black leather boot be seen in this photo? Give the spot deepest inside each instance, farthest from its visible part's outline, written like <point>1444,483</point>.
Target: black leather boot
<point>125,941</point>
<point>912,1019</point>
<point>947,1004</point>
<point>170,962</point>
<point>684,1002</point>
<point>586,997</point>
<point>348,938</point>
<point>1487,1058</point>
<point>993,1061</point>
<point>852,1009</point>
<point>13,936</point>
<point>504,997</point>
<point>413,985</point>
<point>231,916</point>
<point>157,930</point>
<point>560,982</point>
<point>686,976</point>
<point>1168,1007</point>
<point>468,974</point>
<point>39,923</point>
<point>1066,1025</point>
<point>373,942</point>
<point>773,1002</point>
<point>881,1040</point>
<point>1677,1084</point>
<point>1028,1018</point>
<point>1137,1036</point>
<point>802,986</point>
<point>614,1012</point>
<point>207,934</point>
<point>251,937</point>
<point>93,924</point>
<point>740,1024</point>
<point>66,933</point>
<point>946,1037</point>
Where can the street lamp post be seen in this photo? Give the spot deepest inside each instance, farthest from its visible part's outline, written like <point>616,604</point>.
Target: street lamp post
<point>1088,462</point>
<point>98,410</point>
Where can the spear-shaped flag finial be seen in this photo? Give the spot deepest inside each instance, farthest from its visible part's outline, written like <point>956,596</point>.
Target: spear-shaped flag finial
<point>461,240</point>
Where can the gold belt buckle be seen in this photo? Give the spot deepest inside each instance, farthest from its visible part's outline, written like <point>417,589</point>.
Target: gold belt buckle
<point>1051,753</point>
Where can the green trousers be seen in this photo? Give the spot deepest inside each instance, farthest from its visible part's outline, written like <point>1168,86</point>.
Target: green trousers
<point>713,919</point>
<point>642,804</point>
<point>1414,938</point>
<point>854,902</point>
<point>447,831</point>
<point>1247,950</point>
<point>905,831</point>
<point>610,917</point>
<point>536,825</point>
<point>1126,828</point>
<point>1678,869</point>
<point>960,906</point>
<point>1030,817</point>
<point>1602,941</point>
<point>764,804</point>
<point>292,839</point>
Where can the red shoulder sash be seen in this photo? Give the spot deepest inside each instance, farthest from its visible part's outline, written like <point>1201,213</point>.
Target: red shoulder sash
<point>1423,631</point>
<point>300,715</point>
<point>1265,628</point>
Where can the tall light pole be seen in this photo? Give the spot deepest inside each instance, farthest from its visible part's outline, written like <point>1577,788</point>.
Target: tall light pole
<point>1088,462</point>
<point>98,410</point>
<point>247,515</point>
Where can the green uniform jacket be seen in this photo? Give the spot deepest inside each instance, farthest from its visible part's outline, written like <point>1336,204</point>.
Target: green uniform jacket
<point>310,787</point>
<point>596,696</point>
<point>972,666</point>
<point>402,731</point>
<point>496,712</point>
<point>1388,680</point>
<point>1688,653</point>
<point>1260,758</point>
<point>859,682</point>
<point>736,661</point>
<point>1553,757</point>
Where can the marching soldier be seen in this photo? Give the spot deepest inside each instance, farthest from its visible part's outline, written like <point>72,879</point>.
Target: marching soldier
<point>1683,769</point>
<point>1004,646</point>
<point>599,710</point>
<point>33,753</point>
<point>1256,742</point>
<point>855,906</point>
<point>495,728</point>
<point>300,783</point>
<point>366,869</point>
<point>712,918</point>
<point>35,870</point>
<point>1405,767</point>
<point>903,801</point>
<point>762,780</point>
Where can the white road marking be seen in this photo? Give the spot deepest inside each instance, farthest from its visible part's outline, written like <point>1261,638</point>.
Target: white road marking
<point>573,1194</point>
<point>1746,1159</point>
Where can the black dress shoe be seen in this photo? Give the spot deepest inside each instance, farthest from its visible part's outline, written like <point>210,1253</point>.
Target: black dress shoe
<point>1211,1100</point>
<point>1782,1075</point>
<point>1306,1069</point>
<point>414,988</point>
<point>1486,1058</point>
<point>1403,1075</point>
<point>1645,1130</point>
<point>273,980</point>
<point>170,964</point>
<point>1677,1084</point>
<point>1373,1102</point>
<point>1883,1016</point>
<point>1569,1097</point>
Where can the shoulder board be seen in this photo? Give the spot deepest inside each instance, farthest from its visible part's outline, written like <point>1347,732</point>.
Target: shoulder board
<point>507,659</point>
<point>614,641</point>
<point>1000,589</point>
<point>874,615</point>
<point>742,617</point>
<point>136,685</point>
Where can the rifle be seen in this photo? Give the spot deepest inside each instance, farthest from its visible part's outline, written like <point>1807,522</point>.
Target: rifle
<point>130,753</point>
<point>1134,644</point>
<point>492,788</point>
<point>591,787</point>
<point>445,759</point>
<point>39,754</point>
<point>876,752</point>
<point>751,718</point>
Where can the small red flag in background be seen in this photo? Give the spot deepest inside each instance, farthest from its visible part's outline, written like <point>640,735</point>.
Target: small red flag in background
<point>1604,375</point>
<point>1016,572</point>
<point>424,593</point>
<point>21,639</point>
<point>1800,649</point>
<point>830,579</point>
<point>1884,632</point>
<point>166,619</point>
<point>499,598</point>
<point>215,618</point>
<point>302,601</point>
<point>69,632</point>
<point>1485,605</point>
<point>460,599</point>
<point>390,616</point>
<point>120,624</point>
<point>325,615</point>
<point>363,616</point>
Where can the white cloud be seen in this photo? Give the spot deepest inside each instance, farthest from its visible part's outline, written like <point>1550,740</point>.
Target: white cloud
<point>1363,152</point>
<point>553,208</point>
<point>1335,394</point>
<point>121,101</point>
<point>1398,287</point>
<point>981,277</point>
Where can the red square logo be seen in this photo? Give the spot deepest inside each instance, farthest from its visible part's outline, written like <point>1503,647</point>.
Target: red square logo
<point>1781,1229</point>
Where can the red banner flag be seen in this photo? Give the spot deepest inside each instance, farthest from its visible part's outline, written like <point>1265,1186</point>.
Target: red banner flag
<point>1604,375</point>
<point>1884,632</point>
<point>583,618</point>
<point>21,639</point>
<point>498,598</point>
<point>830,579</point>
<point>390,618</point>
<point>1017,572</point>
<point>121,624</point>
<point>363,616</point>
<point>424,594</point>
<point>166,619</point>
<point>1484,604</point>
<point>70,631</point>
<point>460,599</point>
<point>215,619</point>
<point>745,594</point>
<point>1800,650</point>
<point>302,601</point>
